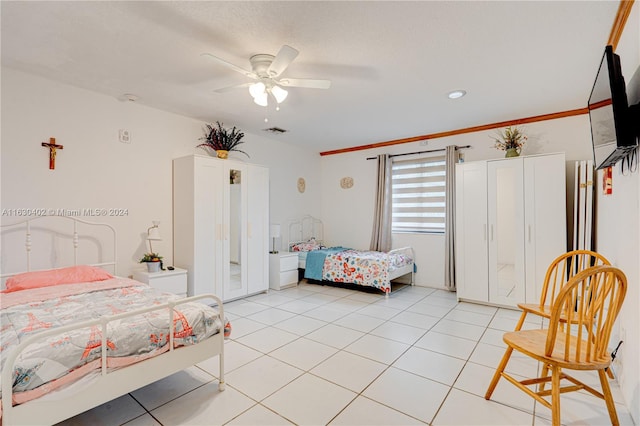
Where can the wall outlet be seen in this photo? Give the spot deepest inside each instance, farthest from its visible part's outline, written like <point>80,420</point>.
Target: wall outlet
<point>124,136</point>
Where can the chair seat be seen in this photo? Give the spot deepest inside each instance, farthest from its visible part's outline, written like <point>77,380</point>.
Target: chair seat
<point>533,343</point>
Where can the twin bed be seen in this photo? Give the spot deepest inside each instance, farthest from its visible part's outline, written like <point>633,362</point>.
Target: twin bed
<point>344,265</point>
<point>76,337</point>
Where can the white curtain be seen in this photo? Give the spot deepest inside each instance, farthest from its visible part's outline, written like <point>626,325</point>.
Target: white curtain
<point>450,218</point>
<point>381,234</point>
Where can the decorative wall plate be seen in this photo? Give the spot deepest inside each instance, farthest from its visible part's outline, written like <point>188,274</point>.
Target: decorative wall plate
<point>346,182</point>
<point>301,185</point>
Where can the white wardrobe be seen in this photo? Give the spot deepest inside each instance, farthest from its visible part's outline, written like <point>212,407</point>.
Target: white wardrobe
<point>510,225</point>
<point>221,225</point>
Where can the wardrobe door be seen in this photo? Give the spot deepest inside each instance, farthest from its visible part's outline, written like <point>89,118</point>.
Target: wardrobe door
<point>506,231</point>
<point>471,232</point>
<point>257,229</point>
<point>234,250</point>
<point>545,217</point>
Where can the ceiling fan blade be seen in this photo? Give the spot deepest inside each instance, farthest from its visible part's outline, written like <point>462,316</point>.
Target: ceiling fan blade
<point>282,60</point>
<point>305,82</point>
<point>234,87</point>
<point>229,65</point>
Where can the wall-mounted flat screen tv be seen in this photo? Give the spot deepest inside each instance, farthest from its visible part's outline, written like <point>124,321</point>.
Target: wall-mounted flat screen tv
<point>611,128</point>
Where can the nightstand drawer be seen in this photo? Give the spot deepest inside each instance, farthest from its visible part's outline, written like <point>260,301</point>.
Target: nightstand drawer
<point>288,263</point>
<point>289,277</point>
<point>167,281</point>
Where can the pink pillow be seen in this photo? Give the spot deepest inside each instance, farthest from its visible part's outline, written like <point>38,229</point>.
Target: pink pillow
<point>72,274</point>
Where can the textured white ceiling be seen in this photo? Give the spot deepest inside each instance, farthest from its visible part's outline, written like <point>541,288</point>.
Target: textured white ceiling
<point>391,63</point>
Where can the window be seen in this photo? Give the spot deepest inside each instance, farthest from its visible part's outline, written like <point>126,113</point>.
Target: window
<point>418,190</point>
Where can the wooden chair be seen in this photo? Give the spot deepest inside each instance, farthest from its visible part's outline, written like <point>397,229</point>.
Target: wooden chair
<point>561,270</point>
<point>580,324</point>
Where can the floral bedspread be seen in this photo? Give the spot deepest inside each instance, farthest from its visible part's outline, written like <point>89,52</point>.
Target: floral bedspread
<point>128,340</point>
<point>368,268</point>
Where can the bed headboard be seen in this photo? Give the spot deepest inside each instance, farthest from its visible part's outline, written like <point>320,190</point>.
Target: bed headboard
<point>305,228</point>
<point>47,242</point>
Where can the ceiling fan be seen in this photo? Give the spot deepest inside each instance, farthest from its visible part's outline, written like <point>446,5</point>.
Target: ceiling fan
<point>266,71</point>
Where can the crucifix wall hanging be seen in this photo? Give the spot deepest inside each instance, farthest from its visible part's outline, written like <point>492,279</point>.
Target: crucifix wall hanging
<point>52,151</point>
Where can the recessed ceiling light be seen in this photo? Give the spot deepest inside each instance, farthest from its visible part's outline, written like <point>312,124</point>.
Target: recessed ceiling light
<point>457,94</point>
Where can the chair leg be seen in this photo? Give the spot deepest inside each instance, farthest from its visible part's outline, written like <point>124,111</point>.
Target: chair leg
<point>606,390</point>
<point>555,396</point>
<point>497,374</point>
<point>543,373</point>
<point>521,321</point>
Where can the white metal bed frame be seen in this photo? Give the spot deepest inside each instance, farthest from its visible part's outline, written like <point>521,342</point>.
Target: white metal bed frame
<point>106,385</point>
<point>307,227</point>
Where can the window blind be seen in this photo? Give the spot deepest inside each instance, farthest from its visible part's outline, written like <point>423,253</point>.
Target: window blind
<point>418,192</point>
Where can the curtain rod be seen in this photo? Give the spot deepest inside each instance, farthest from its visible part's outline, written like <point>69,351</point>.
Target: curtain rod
<point>421,152</point>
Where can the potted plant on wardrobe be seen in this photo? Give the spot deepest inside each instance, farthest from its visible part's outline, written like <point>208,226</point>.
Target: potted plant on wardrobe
<point>222,140</point>
<point>153,261</point>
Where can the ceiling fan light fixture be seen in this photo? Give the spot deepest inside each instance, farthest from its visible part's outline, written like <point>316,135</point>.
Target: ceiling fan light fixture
<point>261,99</point>
<point>257,89</point>
<point>279,93</point>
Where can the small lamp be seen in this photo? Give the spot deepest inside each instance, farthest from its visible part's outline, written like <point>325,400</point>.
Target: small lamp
<point>153,234</point>
<point>274,230</point>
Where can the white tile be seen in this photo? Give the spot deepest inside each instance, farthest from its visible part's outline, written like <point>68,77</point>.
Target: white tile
<point>377,348</point>
<point>326,313</point>
<point>303,353</point>
<point>335,336</point>
<point>262,377</point>
<point>164,390</point>
<point>462,408</point>
<point>408,393</point>
<point>458,329</point>
<point>475,378</point>
<point>243,308</point>
<point>477,308</point>
<point>347,304</point>
<point>258,416</point>
<point>398,332</point>
<point>415,319</point>
<point>397,302</point>
<point>365,412</point>
<point>296,292</point>
<point>493,337</point>
<point>351,371</point>
<point>271,298</point>
<point>243,326</point>
<point>378,311</point>
<point>432,365</point>
<point>271,316</point>
<point>309,400</point>
<point>320,298</point>
<point>490,356</point>
<point>300,325</point>
<point>144,420</point>
<point>366,297</point>
<point>298,306</point>
<point>359,322</point>
<point>446,344</point>
<point>115,412</point>
<point>427,308</point>
<point>235,355</point>
<point>469,317</point>
<point>267,339</point>
<point>205,405</point>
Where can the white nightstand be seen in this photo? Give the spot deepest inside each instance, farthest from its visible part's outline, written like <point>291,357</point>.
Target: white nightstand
<point>168,281</point>
<point>283,270</point>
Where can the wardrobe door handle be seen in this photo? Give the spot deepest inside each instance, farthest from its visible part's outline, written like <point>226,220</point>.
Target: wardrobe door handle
<point>491,232</point>
<point>485,231</point>
<point>529,233</point>
<point>248,229</point>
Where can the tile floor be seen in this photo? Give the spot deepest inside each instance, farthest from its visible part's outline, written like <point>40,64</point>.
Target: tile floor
<point>316,355</point>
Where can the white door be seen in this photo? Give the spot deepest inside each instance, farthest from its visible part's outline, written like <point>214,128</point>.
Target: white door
<point>257,229</point>
<point>506,231</point>
<point>545,218</point>
<point>471,231</point>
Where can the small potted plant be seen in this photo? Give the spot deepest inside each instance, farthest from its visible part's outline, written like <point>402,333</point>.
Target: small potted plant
<point>153,261</point>
<point>222,140</point>
<point>510,140</point>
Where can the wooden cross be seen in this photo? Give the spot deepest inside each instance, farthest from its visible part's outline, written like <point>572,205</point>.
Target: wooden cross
<point>52,151</point>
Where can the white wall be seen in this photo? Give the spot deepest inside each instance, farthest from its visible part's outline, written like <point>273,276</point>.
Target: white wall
<point>348,213</point>
<point>618,231</point>
<point>95,170</point>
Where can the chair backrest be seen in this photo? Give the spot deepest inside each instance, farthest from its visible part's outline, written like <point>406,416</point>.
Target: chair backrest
<point>585,311</point>
<point>565,267</point>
